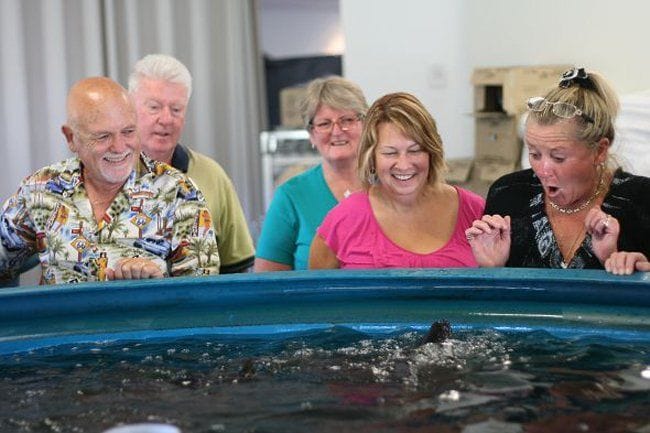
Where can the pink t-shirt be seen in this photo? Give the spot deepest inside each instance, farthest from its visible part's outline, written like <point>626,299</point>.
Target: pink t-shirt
<point>352,232</point>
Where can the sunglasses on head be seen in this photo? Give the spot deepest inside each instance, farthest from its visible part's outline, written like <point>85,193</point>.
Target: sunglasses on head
<point>560,109</point>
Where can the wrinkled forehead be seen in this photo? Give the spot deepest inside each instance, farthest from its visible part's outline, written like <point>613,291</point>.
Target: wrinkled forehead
<point>564,131</point>
<point>116,112</point>
<point>166,91</point>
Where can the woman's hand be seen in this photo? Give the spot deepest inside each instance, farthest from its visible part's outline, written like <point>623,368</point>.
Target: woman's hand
<point>134,268</point>
<point>625,263</point>
<point>489,238</point>
<point>604,230</point>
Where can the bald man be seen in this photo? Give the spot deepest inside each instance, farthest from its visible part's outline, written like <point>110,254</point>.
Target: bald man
<point>109,212</point>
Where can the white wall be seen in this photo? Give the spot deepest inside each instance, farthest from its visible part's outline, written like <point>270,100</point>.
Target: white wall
<point>430,47</point>
<point>415,46</point>
<point>299,28</point>
<point>611,37</point>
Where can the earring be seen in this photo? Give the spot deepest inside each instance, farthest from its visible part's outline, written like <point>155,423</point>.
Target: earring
<point>372,177</point>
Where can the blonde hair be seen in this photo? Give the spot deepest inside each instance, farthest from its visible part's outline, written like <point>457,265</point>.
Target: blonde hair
<point>334,91</point>
<point>407,113</point>
<point>591,94</point>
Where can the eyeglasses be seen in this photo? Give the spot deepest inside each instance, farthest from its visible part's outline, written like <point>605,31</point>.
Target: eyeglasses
<point>326,126</point>
<point>560,109</point>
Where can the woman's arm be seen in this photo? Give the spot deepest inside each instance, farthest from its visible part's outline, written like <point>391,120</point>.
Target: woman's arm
<point>321,256</point>
<point>276,245</point>
<point>263,265</point>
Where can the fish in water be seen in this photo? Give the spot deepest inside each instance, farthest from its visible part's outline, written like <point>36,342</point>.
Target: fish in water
<point>247,370</point>
<point>438,333</point>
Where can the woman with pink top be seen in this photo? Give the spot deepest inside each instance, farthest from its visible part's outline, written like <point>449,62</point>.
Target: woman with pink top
<point>406,216</point>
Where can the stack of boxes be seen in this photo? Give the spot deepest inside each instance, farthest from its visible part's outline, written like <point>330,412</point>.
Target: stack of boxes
<point>500,96</point>
<point>290,99</point>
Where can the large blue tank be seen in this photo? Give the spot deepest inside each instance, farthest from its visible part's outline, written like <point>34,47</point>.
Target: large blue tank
<point>562,302</point>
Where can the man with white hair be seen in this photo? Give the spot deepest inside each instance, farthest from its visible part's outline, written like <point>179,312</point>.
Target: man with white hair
<point>161,87</point>
<point>108,212</point>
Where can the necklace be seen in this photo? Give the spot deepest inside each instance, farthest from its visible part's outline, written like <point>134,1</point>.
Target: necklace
<point>569,211</point>
<point>347,193</point>
<point>565,263</point>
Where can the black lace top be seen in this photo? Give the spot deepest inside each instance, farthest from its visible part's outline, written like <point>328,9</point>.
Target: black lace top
<point>533,242</point>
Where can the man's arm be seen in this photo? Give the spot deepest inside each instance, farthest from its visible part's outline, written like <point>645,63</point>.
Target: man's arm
<point>236,249</point>
<point>194,245</point>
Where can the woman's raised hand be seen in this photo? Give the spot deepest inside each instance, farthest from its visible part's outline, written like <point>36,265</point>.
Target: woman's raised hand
<point>489,238</point>
<point>604,230</point>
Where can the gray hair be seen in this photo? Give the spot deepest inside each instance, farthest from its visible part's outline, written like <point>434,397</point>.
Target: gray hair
<point>334,91</point>
<point>160,67</point>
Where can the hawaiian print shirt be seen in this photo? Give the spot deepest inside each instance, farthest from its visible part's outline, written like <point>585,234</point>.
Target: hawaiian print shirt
<point>159,215</point>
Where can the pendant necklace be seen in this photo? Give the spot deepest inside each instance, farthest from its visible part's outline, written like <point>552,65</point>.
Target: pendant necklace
<point>565,264</point>
<point>569,211</point>
<point>347,193</point>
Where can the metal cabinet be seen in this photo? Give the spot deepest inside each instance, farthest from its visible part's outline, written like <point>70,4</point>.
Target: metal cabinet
<point>285,153</point>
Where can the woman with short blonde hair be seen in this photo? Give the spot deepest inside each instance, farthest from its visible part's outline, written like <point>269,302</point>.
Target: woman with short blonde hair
<point>572,208</point>
<point>406,216</point>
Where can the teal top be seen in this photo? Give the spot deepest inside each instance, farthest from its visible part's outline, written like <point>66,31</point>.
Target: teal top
<point>298,207</point>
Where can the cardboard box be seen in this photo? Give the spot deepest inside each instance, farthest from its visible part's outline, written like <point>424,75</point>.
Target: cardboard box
<point>489,76</point>
<point>507,89</point>
<point>496,138</point>
<point>488,89</point>
<point>500,96</point>
<point>489,170</point>
<point>523,83</point>
<point>458,170</point>
<point>290,99</point>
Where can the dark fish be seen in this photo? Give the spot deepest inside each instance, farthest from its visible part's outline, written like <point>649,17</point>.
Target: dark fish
<point>439,332</point>
<point>247,370</point>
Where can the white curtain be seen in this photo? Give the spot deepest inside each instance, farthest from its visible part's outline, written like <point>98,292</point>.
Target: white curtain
<point>46,45</point>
